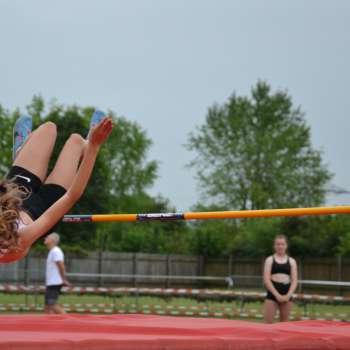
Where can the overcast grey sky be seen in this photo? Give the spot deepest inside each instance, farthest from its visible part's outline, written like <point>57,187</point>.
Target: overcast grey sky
<point>164,62</point>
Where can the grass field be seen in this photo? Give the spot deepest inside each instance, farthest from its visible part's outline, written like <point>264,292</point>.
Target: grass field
<point>135,304</point>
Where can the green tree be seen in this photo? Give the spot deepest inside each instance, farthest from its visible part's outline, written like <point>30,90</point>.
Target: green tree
<point>255,152</point>
<point>255,237</point>
<point>211,238</point>
<point>7,120</point>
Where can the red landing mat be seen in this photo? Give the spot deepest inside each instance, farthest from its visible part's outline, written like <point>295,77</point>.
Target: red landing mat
<point>140,332</point>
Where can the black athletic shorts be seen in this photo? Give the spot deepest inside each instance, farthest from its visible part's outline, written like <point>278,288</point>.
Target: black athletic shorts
<point>40,196</point>
<point>52,293</point>
<point>282,288</point>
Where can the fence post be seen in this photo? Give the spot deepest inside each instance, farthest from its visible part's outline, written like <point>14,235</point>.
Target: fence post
<point>229,267</point>
<point>300,274</point>
<point>200,268</point>
<point>99,267</point>
<point>168,268</point>
<point>26,276</point>
<point>16,273</point>
<point>134,268</point>
<point>262,285</point>
<point>26,268</point>
<point>339,272</point>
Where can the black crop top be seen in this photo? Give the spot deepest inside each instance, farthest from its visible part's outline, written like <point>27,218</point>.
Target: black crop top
<point>280,268</point>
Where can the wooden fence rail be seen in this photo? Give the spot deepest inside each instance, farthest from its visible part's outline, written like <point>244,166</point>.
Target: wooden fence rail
<point>32,270</point>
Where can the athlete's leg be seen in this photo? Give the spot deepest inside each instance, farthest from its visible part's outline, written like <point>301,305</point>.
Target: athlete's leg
<point>35,154</point>
<point>285,309</point>
<point>270,308</point>
<point>68,161</point>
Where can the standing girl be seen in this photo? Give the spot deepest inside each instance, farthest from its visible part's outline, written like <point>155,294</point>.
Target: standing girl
<point>280,279</point>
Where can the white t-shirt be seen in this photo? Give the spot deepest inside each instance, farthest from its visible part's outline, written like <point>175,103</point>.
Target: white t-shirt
<point>53,276</point>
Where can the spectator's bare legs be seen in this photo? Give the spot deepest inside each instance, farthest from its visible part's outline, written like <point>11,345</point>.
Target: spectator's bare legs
<point>58,309</point>
<point>48,309</point>
<point>35,154</point>
<point>67,163</point>
<point>54,309</point>
<point>270,308</point>
<point>285,309</point>
<point>63,174</point>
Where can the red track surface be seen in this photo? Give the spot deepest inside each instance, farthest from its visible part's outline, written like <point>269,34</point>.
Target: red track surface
<point>139,332</point>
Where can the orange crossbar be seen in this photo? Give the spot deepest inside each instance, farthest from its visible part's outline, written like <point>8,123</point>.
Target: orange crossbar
<point>114,217</point>
<point>209,215</point>
<point>267,213</point>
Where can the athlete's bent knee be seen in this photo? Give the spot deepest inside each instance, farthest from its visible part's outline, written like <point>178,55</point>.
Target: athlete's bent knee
<point>76,138</point>
<point>49,127</point>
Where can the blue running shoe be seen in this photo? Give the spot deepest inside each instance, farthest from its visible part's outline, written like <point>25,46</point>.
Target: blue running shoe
<point>21,132</point>
<point>96,118</point>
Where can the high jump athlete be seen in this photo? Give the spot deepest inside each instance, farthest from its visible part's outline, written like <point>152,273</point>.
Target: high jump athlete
<point>32,202</point>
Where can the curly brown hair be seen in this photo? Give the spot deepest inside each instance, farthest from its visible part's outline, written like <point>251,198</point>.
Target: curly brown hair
<point>11,198</point>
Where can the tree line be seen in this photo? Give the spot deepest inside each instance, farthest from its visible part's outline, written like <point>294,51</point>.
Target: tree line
<point>252,152</point>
